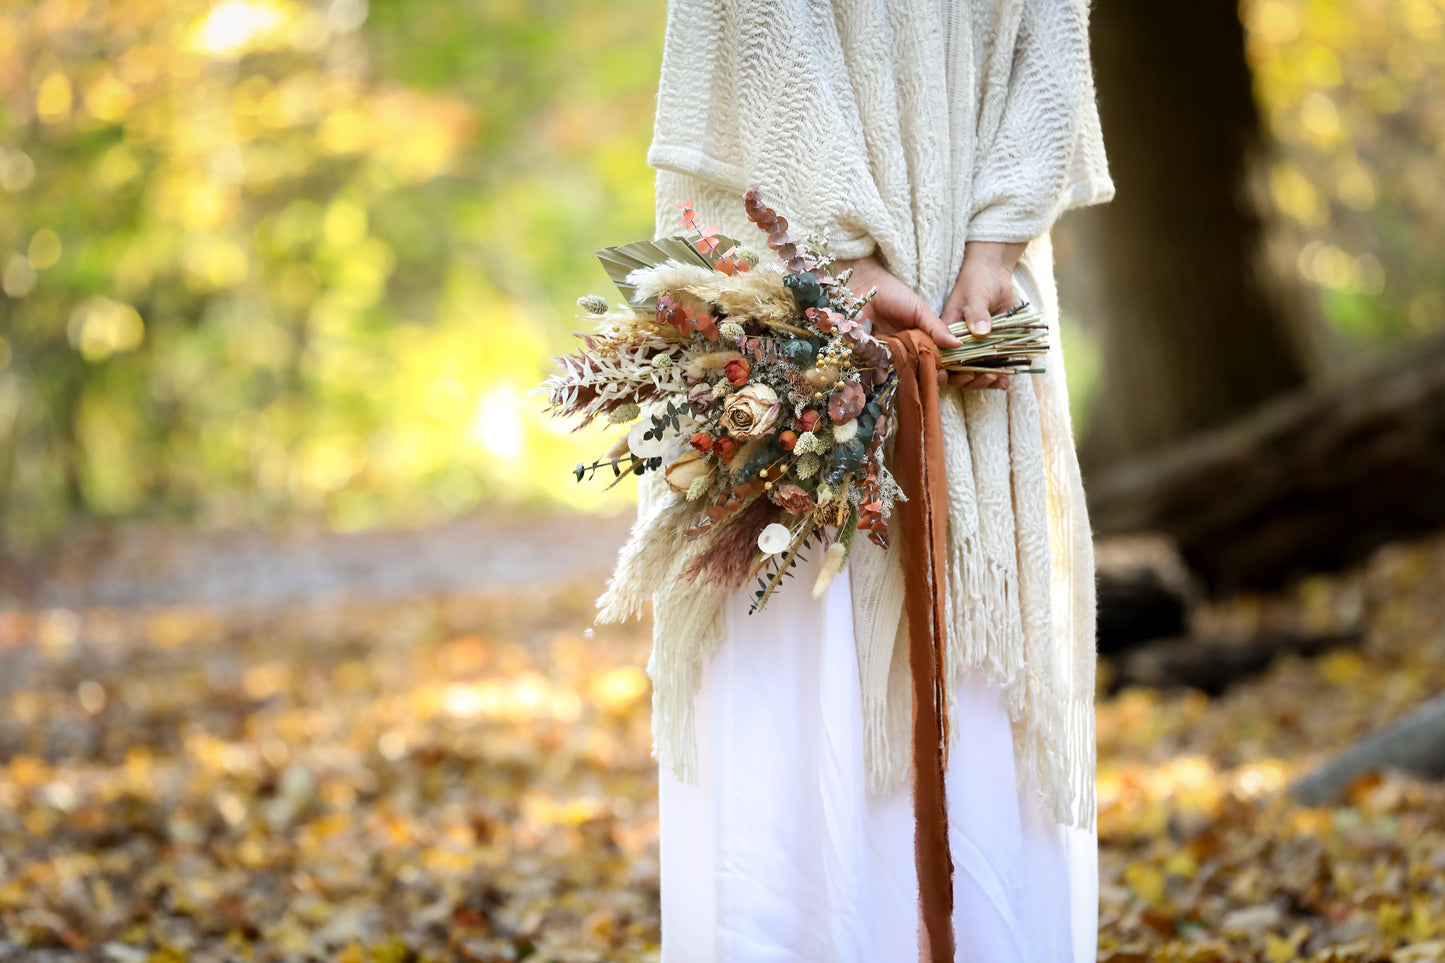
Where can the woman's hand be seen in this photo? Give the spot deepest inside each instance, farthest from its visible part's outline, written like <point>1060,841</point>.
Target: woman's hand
<point>984,288</point>
<point>896,307</point>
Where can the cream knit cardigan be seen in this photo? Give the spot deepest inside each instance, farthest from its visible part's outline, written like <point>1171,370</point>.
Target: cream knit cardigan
<point>912,126</point>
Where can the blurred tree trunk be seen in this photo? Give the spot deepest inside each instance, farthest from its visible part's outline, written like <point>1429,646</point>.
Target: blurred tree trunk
<point>1197,329</point>
<point>1313,480</point>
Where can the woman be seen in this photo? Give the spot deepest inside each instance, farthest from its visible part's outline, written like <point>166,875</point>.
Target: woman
<point>936,141</point>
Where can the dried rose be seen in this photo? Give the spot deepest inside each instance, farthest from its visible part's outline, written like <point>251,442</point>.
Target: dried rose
<point>688,468</point>
<point>787,439</point>
<point>809,419</point>
<point>724,448</point>
<point>792,498</point>
<point>700,398</point>
<point>750,412</point>
<point>702,441</point>
<point>737,371</point>
<point>846,402</point>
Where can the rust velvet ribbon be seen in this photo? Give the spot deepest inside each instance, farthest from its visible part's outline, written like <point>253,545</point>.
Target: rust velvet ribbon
<point>919,469</point>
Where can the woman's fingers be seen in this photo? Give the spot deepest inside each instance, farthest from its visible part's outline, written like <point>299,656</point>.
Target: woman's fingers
<point>984,284</point>
<point>977,379</point>
<point>917,315</point>
<point>973,302</point>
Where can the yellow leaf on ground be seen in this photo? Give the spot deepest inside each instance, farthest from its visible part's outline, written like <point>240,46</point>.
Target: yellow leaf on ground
<point>1146,881</point>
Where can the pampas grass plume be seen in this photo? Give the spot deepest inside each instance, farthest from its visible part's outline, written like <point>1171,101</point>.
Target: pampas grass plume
<point>832,565</point>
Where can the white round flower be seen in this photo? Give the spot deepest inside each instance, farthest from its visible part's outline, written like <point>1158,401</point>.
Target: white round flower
<point>774,539</point>
<point>845,432</point>
<point>645,447</point>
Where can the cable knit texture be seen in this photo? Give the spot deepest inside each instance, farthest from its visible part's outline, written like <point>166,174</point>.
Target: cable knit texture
<point>909,127</point>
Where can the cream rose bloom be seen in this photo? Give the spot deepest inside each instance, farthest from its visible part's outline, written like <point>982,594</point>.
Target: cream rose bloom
<point>751,411</point>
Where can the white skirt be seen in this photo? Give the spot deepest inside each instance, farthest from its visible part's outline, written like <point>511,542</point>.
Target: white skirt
<point>781,855</point>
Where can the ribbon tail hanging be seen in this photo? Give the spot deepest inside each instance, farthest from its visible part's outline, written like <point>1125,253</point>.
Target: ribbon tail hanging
<point>918,466</point>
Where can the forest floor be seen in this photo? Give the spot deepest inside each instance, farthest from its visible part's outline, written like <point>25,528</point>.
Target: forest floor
<point>403,746</point>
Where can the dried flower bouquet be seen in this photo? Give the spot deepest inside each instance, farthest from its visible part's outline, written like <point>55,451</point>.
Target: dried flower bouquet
<point>757,391</point>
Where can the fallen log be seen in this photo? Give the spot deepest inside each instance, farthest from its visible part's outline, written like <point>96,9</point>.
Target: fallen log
<point>1311,481</point>
<point>1212,665</point>
<point>1144,591</point>
<point>1415,744</point>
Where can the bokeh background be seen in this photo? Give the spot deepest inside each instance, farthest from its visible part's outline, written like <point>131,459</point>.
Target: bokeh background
<point>267,259</point>
<point>294,575</point>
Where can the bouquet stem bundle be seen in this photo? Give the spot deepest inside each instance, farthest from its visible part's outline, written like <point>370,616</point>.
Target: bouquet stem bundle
<point>1016,339</point>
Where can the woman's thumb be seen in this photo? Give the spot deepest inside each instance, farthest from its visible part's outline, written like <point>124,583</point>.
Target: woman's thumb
<point>976,316</point>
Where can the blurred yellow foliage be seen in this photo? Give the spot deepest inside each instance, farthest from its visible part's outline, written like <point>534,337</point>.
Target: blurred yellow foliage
<point>264,257</point>
<point>1352,91</point>
<point>270,256</point>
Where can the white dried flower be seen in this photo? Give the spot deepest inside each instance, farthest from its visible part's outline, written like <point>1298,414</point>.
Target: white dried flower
<point>731,331</point>
<point>811,441</point>
<point>698,488</point>
<point>720,389</point>
<point>748,256</point>
<point>808,466</point>
<point>774,539</point>
<point>593,304</point>
<point>845,432</point>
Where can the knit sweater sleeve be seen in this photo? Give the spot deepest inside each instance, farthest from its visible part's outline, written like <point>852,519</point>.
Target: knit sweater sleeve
<point>1047,153</point>
<point>759,93</point>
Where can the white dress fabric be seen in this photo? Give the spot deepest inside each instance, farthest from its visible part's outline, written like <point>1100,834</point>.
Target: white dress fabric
<point>781,854</point>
